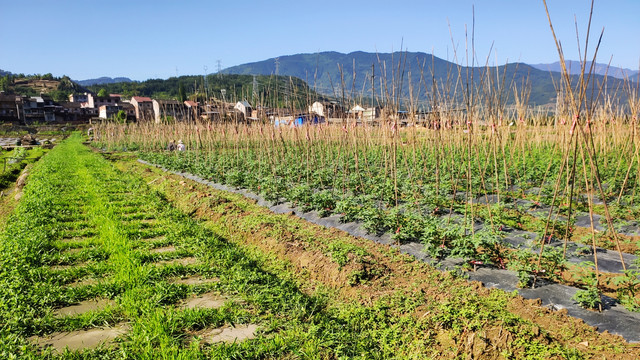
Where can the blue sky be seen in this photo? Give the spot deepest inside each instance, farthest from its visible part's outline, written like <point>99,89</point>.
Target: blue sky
<point>151,39</point>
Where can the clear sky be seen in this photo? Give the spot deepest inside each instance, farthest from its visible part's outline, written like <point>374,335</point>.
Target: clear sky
<point>143,39</point>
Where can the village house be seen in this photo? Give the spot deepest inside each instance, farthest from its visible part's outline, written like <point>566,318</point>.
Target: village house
<point>327,109</point>
<point>79,98</point>
<point>110,111</point>
<point>359,113</point>
<point>94,101</point>
<point>39,109</point>
<point>74,112</point>
<point>143,107</point>
<point>10,107</point>
<point>244,107</point>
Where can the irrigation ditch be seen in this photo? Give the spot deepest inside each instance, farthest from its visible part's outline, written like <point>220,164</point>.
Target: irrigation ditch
<point>614,318</point>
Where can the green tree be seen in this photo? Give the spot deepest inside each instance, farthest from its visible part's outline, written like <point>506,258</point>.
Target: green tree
<point>103,93</point>
<point>182,95</point>
<point>4,83</point>
<point>121,117</point>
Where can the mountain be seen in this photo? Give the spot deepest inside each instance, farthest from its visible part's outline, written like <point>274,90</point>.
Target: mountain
<point>599,69</point>
<point>4,72</point>
<point>102,80</point>
<point>409,74</point>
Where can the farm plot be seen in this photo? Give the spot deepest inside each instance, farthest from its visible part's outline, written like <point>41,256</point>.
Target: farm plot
<point>489,196</point>
<point>94,263</point>
<point>362,270</point>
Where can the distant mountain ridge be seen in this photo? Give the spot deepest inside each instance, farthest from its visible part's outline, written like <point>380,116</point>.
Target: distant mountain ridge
<point>574,68</point>
<point>350,75</point>
<point>103,80</point>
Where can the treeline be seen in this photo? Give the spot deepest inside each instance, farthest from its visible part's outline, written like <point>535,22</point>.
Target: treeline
<point>27,85</point>
<point>282,91</point>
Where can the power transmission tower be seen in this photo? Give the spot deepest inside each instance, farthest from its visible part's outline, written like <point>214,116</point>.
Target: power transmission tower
<point>277,61</point>
<point>219,62</point>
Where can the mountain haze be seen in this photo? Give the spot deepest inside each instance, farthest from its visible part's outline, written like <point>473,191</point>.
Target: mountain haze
<point>103,80</point>
<point>574,68</point>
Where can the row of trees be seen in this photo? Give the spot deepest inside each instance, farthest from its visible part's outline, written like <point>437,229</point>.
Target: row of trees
<point>280,91</point>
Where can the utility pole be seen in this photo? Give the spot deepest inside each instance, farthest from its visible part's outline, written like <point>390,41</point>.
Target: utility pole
<point>373,84</point>
<point>277,61</point>
<point>255,90</point>
<point>206,84</point>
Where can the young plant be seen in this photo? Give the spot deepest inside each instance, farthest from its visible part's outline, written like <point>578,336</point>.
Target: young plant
<point>588,298</point>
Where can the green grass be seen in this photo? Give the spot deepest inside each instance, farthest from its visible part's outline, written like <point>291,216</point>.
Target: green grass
<point>12,163</point>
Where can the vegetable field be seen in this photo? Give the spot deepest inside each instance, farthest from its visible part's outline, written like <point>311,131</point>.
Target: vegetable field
<point>485,194</point>
<point>103,259</point>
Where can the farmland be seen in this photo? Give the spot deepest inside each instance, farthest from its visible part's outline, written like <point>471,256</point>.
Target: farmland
<point>487,197</point>
<point>136,248</point>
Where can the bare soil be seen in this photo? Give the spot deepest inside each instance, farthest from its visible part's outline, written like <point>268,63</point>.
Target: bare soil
<point>84,306</point>
<point>180,261</point>
<point>193,280</point>
<point>164,249</point>
<point>81,339</point>
<point>228,334</point>
<point>204,301</point>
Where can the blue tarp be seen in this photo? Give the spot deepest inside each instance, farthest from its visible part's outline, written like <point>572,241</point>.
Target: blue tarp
<point>300,120</point>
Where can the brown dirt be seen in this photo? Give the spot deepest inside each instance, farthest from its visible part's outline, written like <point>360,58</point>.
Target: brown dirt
<point>164,249</point>
<point>228,334</point>
<point>82,282</point>
<point>73,250</point>
<point>81,339</point>
<point>385,271</point>
<point>180,261</point>
<point>204,301</point>
<point>83,307</point>
<point>193,280</point>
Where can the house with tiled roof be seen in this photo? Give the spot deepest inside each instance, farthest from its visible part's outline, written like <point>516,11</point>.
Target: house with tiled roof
<point>144,108</point>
